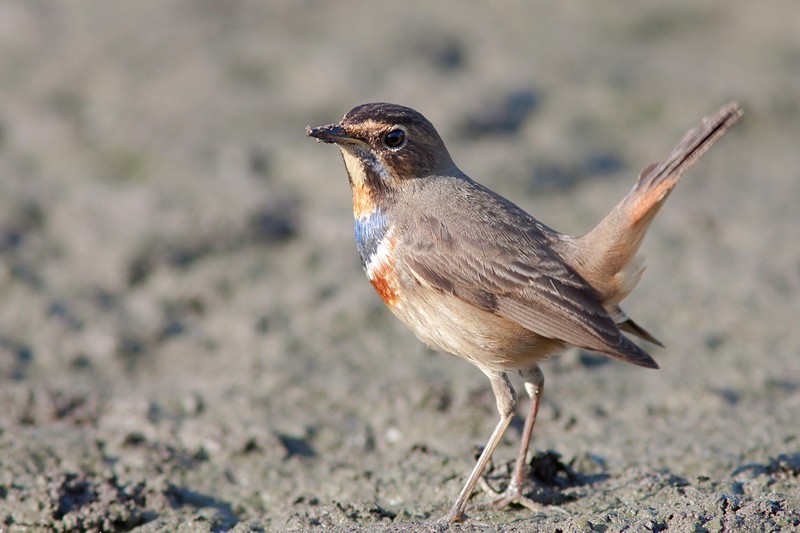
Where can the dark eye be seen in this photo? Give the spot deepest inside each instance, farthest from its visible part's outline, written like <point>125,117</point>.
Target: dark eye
<point>394,138</point>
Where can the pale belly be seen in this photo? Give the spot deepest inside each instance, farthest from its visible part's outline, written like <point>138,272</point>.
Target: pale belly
<point>446,323</point>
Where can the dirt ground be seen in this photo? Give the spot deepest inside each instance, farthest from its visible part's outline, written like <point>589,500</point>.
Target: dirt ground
<point>187,340</point>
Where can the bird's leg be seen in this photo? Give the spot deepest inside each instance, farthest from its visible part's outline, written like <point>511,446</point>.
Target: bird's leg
<point>534,385</point>
<point>506,406</point>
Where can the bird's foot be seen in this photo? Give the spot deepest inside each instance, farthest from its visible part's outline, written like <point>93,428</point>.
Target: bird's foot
<point>459,517</point>
<point>513,496</point>
<point>453,518</point>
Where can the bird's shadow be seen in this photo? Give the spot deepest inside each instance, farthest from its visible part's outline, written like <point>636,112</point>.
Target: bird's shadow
<point>225,517</point>
<point>550,480</point>
<point>784,465</point>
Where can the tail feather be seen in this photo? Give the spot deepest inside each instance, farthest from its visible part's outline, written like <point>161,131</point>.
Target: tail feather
<point>627,324</point>
<point>635,329</point>
<point>657,180</point>
<point>607,254</point>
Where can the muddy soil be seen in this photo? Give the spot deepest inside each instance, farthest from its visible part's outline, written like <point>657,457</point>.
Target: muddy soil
<point>187,340</point>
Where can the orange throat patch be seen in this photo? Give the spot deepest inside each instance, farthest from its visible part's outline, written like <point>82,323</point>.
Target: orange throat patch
<point>363,202</point>
<point>363,196</point>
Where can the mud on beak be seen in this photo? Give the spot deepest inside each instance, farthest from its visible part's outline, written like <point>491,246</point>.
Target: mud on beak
<point>332,133</point>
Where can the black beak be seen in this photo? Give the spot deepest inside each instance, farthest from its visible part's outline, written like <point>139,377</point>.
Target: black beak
<point>332,133</point>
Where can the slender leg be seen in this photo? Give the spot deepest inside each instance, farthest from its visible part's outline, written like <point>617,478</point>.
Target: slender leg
<point>506,406</point>
<point>534,385</point>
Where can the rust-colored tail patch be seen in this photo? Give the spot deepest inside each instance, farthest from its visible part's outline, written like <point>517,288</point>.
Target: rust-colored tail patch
<point>657,180</point>
<point>607,253</point>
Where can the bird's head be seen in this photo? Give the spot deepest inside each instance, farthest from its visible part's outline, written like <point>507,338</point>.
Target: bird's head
<point>384,145</point>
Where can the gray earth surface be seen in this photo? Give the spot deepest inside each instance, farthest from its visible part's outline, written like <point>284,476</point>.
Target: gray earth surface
<point>187,340</point>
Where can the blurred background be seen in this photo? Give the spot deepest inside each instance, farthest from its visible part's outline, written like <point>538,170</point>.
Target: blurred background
<point>186,335</point>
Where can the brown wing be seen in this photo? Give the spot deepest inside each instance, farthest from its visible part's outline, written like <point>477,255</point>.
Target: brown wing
<point>506,267</point>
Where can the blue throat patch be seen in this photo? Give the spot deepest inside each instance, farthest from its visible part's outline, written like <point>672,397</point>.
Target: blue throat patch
<point>369,231</point>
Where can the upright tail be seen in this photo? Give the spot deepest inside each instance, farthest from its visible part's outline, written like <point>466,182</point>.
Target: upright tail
<point>606,256</point>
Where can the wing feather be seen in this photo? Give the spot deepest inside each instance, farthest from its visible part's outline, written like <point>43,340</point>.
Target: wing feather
<point>523,280</point>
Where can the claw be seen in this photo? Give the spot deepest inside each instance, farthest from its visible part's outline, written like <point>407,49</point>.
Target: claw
<point>513,496</point>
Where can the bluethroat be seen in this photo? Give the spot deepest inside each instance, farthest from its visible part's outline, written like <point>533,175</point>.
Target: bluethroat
<point>474,275</point>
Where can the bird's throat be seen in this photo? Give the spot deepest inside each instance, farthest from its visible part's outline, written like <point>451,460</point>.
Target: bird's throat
<point>368,180</point>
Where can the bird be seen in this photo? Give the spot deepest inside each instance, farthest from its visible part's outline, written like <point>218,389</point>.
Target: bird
<point>474,275</point>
